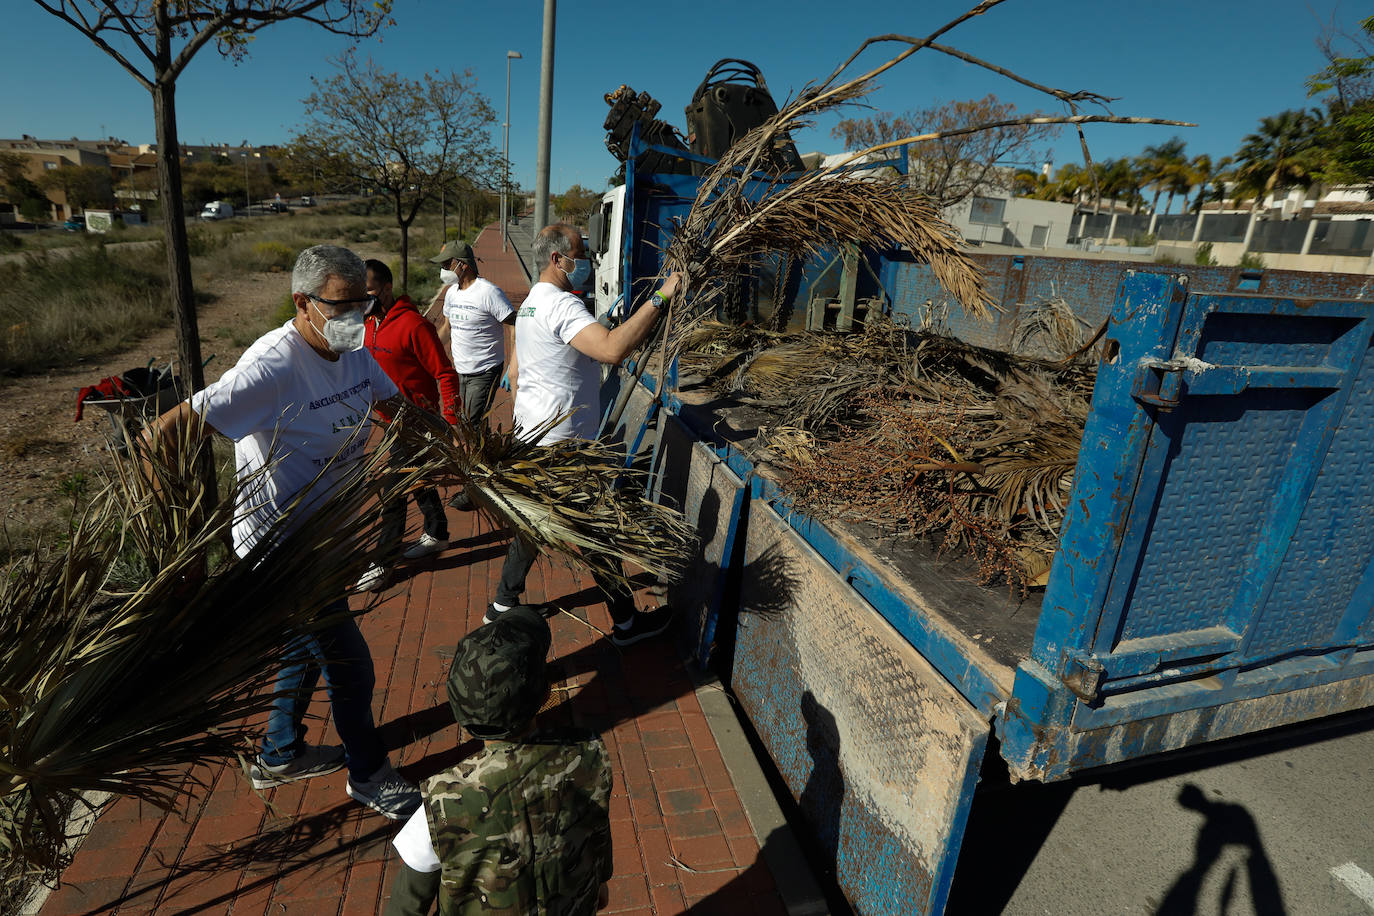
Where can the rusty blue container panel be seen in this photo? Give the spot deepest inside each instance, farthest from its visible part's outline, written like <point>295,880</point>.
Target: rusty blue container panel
<point>880,751</point>
<point>1216,569</point>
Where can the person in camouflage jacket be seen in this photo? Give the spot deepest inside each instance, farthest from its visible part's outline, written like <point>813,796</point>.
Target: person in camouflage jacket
<point>523,826</point>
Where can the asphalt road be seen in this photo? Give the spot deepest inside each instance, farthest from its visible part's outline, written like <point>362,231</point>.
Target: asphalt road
<point>1284,826</point>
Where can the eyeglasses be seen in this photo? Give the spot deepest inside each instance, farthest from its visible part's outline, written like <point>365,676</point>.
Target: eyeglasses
<point>340,306</point>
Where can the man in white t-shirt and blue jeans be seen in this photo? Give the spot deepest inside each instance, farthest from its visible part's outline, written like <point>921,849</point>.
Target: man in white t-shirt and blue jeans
<point>479,321</point>
<point>560,348</point>
<point>297,405</point>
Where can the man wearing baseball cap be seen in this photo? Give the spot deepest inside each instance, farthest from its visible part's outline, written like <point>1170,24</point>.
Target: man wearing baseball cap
<point>522,826</point>
<point>480,325</point>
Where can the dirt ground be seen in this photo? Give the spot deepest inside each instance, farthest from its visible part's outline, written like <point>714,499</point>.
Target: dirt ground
<point>47,458</point>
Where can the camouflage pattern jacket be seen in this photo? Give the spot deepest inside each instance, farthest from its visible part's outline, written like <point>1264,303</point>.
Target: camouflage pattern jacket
<point>523,827</point>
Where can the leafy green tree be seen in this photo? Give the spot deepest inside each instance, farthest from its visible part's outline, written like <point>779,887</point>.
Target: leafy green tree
<point>81,185</point>
<point>1347,84</point>
<point>405,138</point>
<point>155,40</point>
<point>1281,153</point>
<point>28,198</point>
<point>952,169</point>
<point>577,203</point>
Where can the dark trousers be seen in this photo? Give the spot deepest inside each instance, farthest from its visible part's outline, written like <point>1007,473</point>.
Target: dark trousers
<point>519,559</point>
<point>477,391</point>
<point>394,518</point>
<point>393,526</point>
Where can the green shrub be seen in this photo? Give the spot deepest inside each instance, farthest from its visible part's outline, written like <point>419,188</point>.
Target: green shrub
<point>10,241</point>
<point>1167,258</point>
<point>272,255</point>
<point>200,241</point>
<point>1251,261</point>
<point>453,233</point>
<point>1203,257</point>
<point>1141,239</point>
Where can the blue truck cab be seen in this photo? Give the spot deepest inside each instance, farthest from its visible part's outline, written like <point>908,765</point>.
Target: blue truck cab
<point>1214,576</point>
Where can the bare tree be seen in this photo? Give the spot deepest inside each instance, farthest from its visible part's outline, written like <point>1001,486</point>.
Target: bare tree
<point>409,139</point>
<point>163,37</point>
<point>953,168</point>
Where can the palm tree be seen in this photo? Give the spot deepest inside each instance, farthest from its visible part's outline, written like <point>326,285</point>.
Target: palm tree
<point>1278,154</point>
<point>1209,173</point>
<point>1159,165</point>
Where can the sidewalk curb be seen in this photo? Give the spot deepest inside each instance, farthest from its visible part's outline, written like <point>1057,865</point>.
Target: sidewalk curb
<point>796,884</point>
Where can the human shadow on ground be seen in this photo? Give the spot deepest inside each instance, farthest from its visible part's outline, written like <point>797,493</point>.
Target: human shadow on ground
<point>1225,824</point>
<point>820,803</point>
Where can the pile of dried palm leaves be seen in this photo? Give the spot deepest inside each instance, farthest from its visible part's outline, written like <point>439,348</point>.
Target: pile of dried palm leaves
<point>918,432</point>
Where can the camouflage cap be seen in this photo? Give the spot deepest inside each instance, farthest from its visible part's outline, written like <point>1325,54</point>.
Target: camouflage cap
<point>497,681</point>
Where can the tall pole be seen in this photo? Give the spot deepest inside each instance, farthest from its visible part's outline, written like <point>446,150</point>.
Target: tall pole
<point>247,200</point>
<point>541,177</point>
<point>505,156</point>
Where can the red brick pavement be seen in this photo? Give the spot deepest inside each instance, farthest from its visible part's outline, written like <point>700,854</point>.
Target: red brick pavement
<point>681,837</point>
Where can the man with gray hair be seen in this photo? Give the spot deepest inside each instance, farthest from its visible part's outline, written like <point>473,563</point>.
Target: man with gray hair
<point>560,348</point>
<point>296,405</point>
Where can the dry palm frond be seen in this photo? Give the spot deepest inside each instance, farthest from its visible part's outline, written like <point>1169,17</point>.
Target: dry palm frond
<point>1049,329</point>
<point>118,686</point>
<point>577,498</point>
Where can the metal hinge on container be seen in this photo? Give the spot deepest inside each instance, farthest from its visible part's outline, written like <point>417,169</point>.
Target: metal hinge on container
<point>1083,675</point>
<point>1158,382</point>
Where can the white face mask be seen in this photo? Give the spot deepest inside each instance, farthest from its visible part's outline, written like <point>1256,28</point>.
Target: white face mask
<point>345,333</point>
<point>447,276</point>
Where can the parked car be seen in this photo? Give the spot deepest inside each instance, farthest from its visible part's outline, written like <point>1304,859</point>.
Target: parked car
<point>217,209</point>
<point>277,206</point>
<point>307,201</point>
<point>75,224</point>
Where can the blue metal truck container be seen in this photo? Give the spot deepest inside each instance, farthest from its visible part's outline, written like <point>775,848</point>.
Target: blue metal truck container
<point>1215,574</point>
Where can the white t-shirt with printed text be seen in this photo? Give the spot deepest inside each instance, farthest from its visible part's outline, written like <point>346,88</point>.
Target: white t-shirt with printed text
<point>554,376</point>
<point>474,318</point>
<point>309,416</point>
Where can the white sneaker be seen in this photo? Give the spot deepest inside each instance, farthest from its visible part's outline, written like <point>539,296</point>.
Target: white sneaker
<point>387,792</point>
<point>424,547</point>
<point>374,579</point>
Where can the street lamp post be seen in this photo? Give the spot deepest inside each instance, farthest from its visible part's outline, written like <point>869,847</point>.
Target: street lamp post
<point>505,155</point>
<point>247,198</point>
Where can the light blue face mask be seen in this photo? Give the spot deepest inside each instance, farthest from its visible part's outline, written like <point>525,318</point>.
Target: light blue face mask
<point>581,272</point>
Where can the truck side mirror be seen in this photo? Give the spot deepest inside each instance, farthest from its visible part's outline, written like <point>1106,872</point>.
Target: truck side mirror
<point>596,225</point>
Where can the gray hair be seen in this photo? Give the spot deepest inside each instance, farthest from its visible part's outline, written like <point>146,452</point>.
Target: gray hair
<point>552,238</point>
<point>316,265</point>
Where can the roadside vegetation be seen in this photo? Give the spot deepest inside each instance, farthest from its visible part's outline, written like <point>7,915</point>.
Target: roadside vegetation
<point>91,296</point>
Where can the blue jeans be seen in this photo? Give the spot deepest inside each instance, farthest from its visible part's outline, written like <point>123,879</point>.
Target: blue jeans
<point>342,654</point>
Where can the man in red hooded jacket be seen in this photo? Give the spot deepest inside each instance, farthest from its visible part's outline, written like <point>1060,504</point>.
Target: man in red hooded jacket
<point>406,346</point>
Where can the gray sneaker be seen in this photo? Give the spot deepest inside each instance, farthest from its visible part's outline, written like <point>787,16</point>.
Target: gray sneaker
<point>313,760</point>
<point>387,792</point>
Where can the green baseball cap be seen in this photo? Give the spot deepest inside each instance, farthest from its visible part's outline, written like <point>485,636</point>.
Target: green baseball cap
<point>451,250</point>
<point>498,680</point>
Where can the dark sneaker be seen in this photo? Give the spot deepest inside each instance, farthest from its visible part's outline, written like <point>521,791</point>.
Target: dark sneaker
<point>646,624</point>
<point>492,613</point>
<point>387,792</point>
<point>313,760</point>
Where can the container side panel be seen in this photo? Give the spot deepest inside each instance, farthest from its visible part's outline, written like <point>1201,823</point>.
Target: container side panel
<point>881,752</point>
<point>1224,464</point>
<point>1334,542</point>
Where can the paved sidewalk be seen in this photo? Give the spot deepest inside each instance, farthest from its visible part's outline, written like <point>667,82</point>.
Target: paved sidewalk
<point>681,836</point>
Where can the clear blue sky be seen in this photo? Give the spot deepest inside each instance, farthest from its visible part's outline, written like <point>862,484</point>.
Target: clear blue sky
<point>1221,63</point>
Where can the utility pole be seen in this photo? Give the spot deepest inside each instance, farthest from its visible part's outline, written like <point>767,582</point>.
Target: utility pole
<point>247,199</point>
<point>505,156</point>
<point>541,178</point>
